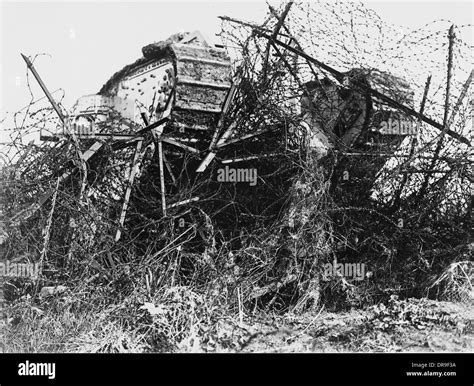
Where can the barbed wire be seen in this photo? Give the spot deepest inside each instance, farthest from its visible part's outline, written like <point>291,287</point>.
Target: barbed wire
<point>302,195</point>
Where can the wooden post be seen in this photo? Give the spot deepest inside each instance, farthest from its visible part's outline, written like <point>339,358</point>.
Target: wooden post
<point>48,227</point>
<point>162,178</point>
<point>444,130</point>
<point>157,137</point>
<point>455,110</point>
<point>227,104</point>
<point>168,167</point>
<point>44,251</point>
<point>278,26</point>
<point>225,110</point>
<point>448,81</point>
<point>398,194</point>
<point>129,190</point>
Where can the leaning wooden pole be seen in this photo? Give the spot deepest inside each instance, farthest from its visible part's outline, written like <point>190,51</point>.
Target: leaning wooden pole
<point>44,88</point>
<point>64,121</point>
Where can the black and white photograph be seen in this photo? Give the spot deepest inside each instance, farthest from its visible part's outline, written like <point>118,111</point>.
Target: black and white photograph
<point>237,177</point>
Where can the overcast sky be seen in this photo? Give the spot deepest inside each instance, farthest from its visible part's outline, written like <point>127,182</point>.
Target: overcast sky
<point>88,41</point>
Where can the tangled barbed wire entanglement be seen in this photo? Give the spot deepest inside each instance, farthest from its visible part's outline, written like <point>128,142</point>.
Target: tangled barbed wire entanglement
<point>402,196</point>
<point>358,159</point>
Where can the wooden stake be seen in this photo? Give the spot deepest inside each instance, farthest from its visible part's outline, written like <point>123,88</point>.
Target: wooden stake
<point>162,179</point>
<point>398,193</point>
<point>444,130</point>
<point>465,87</point>
<point>129,190</point>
